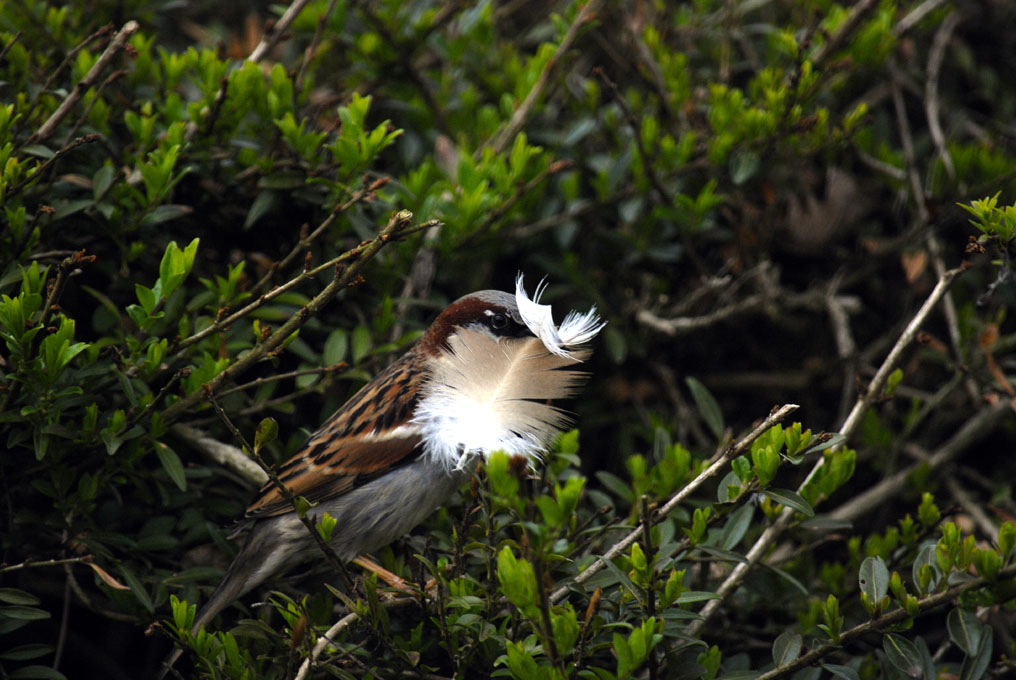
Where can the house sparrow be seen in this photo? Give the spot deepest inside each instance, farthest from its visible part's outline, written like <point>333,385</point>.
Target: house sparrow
<point>476,382</point>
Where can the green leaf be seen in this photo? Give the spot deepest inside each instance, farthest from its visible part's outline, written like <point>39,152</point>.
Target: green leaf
<point>833,441</point>
<point>873,579</point>
<point>15,596</point>
<point>36,672</point>
<point>743,166</point>
<point>903,654</point>
<point>172,465</point>
<point>791,499</point>
<point>691,596</point>
<point>736,527</point>
<point>964,629</point>
<point>165,213</point>
<point>326,526</point>
<point>25,652</point>
<point>844,672</point>
<point>71,207</point>
<point>23,613</point>
<point>707,406</point>
<point>786,647</point>
<point>267,432</point>
<point>976,664</point>
<point>146,296</point>
<point>101,180</point>
<point>361,343</point>
<point>265,201</point>
<point>336,346</point>
<point>616,485</point>
<point>138,588</point>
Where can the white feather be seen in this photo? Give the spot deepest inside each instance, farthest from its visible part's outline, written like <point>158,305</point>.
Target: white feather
<point>576,329</point>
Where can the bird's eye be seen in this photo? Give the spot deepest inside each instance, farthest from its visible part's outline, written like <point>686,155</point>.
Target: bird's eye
<point>498,321</point>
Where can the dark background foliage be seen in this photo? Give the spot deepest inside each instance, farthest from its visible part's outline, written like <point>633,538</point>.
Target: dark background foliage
<point>757,196</point>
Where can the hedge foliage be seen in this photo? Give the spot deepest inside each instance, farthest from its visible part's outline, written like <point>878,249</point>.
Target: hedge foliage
<point>222,220</point>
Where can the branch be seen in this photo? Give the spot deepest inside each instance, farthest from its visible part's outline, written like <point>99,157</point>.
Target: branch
<point>984,423</point>
<point>275,34</point>
<point>768,537</point>
<point>288,494</point>
<point>500,139</point>
<point>295,281</point>
<point>225,455</point>
<point>345,622</point>
<point>115,45</point>
<point>719,462</point>
<point>881,623</point>
<point>849,25</point>
<point>398,226</point>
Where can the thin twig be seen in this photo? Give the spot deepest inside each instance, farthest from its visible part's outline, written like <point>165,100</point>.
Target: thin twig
<point>768,537</point>
<point>352,254</point>
<point>907,142</point>
<point>137,418</point>
<point>398,226</point>
<point>309,52</point>
<point>264,380</point>
<point>500,139</point>
<point>275,34</point>
<point>305,241</point>
<point>328,638</point>
<point>502,209</point>
<point>718,463</point>
<point>85,139</point>
<point>883,622</point>
<point>663,197</point>
<point>9,45</point>
<point>286,493</point>
<point>972,508</point>
<point>847,27</point>
<point>936,56</point>
<point>115,45</point>
<point>115,75</point>
<point>31,564</point>
<point>68,60</point>
<point>984,423</point>
<point>915,16</point>
<point>269,41</point>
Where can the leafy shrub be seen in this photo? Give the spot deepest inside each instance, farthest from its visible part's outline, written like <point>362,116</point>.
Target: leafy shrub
<point>771,202</point>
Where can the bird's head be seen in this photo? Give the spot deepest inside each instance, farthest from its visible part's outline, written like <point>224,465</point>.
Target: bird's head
<point>493,362</point>
<point>493,313</point>
<point>497,314</point>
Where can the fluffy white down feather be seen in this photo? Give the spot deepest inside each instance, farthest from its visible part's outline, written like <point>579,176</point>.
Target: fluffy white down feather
<point>576,329</point>
<point>488,394</point>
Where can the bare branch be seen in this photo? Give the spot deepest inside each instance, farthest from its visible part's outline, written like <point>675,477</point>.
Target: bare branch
<point>115,45</point>
<point>500,139</point>
<point>719,462</point>
<point>768,537</point>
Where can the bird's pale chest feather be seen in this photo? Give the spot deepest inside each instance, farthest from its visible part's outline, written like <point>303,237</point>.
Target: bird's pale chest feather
<point>485,394</point>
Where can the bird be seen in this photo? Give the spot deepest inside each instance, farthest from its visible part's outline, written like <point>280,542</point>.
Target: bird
<point>480,379</point>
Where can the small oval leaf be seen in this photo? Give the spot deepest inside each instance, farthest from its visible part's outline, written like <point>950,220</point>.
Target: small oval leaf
<point>903,654</point>
<point>786,648</point>
<point>873,578</point>
<point>707,406</point>
<point>172,465</point>
<point>964,629</point>
<point>791,499</point>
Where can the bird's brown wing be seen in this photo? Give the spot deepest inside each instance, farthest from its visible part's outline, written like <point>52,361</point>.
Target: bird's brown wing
<point>370,435</point>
